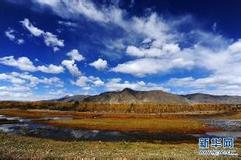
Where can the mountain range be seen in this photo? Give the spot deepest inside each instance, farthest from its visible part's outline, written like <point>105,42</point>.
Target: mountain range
<point>128,95</point>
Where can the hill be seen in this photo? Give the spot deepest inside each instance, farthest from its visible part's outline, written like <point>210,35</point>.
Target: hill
<point>128,96</point>
<point>208,98</point>
<point>70,98</point>
<point>131,96</point>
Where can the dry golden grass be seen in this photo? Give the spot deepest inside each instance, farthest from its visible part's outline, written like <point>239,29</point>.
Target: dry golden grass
<point>38,113</point>
<point>20,147</point>
<point>136,124</point>
<point>120,108</point>
<point>172,123</point>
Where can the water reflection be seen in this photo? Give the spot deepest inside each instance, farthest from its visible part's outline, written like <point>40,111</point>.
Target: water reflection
<point>225,124</point>
<point>29,127</point>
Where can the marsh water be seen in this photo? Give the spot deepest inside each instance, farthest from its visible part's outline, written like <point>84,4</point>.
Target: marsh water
<point>229,128</point>
<point>32,127</point>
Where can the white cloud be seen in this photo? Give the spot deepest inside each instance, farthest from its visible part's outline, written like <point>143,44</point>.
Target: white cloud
<point>50,39</point>
<point>88,82</point>
<point>28,80</point>
<point>32,29</point>
<point>25,64</point>
<point>147,66</point>
<point>75,55</point>
<point>96,81</point>
<point>72,67</point>
<point>81,81</point>
<point>15,93</point>
<point>153,27</point>
<point>70,9</point>
<point>48,2</point>
<point>68,23</point>
<point>224,65</point>
<point>12,79</point>
<point>20,41</point>
<point>213,84</point>
<point>51,69</point>
<point>117,84</point>
<point>10,33</point>
<point>153,51</point>
<point>171,48</point>
<point>99,64</point>
<point>235,47</point>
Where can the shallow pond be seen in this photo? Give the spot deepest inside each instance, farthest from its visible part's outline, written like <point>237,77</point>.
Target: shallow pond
<point>29,127</point>
<point>230,128</point>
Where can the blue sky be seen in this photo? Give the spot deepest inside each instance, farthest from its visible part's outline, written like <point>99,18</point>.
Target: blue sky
<point>53,48</point>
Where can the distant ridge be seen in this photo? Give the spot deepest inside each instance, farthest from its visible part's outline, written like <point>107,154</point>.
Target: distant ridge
<point>128,96</point>
<point>70,98</point>
<point>208,98</point>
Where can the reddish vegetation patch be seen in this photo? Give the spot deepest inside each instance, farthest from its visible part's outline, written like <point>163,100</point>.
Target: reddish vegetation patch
<point>135,124</point>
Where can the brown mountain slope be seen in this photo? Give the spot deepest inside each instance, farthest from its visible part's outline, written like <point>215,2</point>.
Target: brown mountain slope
<point>207,98</point>
<point>131,96</point>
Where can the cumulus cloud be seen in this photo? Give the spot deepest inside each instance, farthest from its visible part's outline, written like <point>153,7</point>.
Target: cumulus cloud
<point>25,64</point>
<point>12,79</point>
<point>153,51</point>
<point>72,67</point>
<point>224,66</point>
<point>99,64</point>
<point>10,34</point>
<point>70,64</point>
<point>213,84</point>
<point>19,83</point>
<point>29,80</point>
<point>147,66</point>
<point>51,69</point>
<point>87,82</point>
<point>50,39</point>
<point>75,55</point>
<point>118,84</point>
<point>31,28</point>
<point>15,93</point>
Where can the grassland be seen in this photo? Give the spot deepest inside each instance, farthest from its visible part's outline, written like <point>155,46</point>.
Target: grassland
<point>180,123</point>
<point>135,124</point>
<point>20,147</point>
<point>38,113</point>
<point>120,108</point>
<point>149,118</point>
